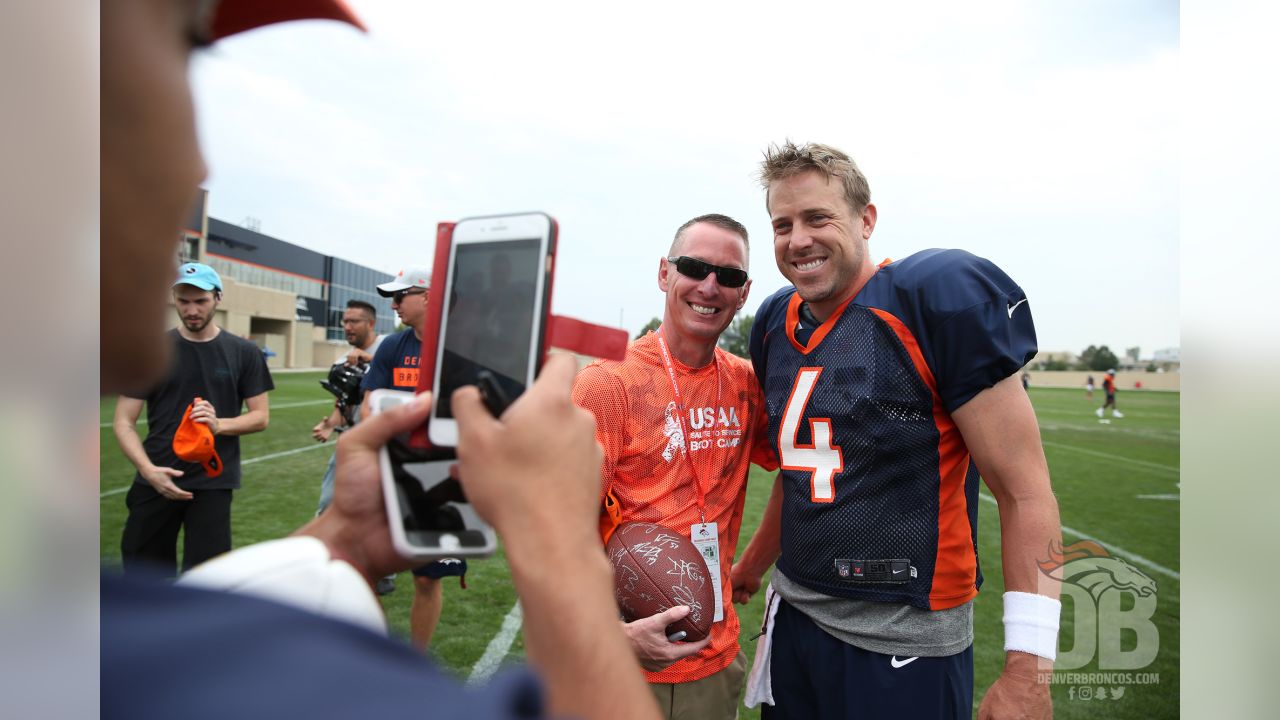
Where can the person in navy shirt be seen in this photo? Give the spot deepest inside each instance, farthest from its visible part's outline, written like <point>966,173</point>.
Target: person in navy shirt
<point>889,388</point>
<point>396,366</point>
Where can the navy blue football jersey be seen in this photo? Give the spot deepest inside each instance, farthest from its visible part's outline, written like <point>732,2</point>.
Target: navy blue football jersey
<point>880,493</point>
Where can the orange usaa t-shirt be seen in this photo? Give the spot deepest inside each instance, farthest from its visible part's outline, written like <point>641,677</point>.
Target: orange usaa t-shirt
<point>651,476</point>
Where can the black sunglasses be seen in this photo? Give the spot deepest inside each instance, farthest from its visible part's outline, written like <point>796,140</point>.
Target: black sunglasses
<point>399,296</point>
<point>696,269</point>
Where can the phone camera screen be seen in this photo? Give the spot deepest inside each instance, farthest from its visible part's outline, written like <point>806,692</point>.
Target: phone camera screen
<point>490,317</point>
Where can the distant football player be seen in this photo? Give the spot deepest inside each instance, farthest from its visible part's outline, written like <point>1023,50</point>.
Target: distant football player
<point>681,421</point>
<point>1109,387</point>
<point>889,388</point>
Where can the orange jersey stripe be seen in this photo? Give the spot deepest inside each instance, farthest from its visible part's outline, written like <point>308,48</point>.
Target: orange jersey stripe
<point>793,321</point>
<point>955,570</point>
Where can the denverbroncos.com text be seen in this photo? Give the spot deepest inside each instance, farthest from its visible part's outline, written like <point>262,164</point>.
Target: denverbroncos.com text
<point>1100,678</point>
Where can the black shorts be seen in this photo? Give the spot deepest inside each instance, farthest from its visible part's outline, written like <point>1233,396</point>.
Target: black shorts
<point>814,675</point>
<point>451,567</point>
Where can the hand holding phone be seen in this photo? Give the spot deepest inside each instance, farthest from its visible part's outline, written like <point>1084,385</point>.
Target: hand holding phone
<point>355,525</point>
<point>428,514</point>
<point>535,473</point>
<point>494,397</point>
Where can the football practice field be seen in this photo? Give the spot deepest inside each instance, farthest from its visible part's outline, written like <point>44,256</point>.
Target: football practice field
<point>1117,485</point>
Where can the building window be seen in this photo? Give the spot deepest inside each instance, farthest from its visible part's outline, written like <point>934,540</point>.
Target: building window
<point>189,249</point>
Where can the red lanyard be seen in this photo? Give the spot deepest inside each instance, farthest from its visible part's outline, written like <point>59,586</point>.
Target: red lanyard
<point>680,411</point>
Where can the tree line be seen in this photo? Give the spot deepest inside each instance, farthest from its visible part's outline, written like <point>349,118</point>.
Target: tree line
<point>1098,358</point>
<point>733,340</point>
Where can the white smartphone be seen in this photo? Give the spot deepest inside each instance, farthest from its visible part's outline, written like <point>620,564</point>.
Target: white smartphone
<point>493,326</point>
<point>427,512</point>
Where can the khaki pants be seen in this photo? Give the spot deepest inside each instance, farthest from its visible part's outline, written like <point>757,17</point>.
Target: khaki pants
<point>715,697</point>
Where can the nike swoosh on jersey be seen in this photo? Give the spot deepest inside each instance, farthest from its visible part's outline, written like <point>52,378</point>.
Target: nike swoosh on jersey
<point>1015,306</point>
<point>896,663</point>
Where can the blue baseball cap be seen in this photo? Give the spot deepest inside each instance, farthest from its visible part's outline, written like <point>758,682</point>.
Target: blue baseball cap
<point>198,275</point>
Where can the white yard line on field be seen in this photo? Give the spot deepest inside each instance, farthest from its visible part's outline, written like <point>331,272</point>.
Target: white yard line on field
<point>281,406</point>
<point>1159,497</point>
<point>498,648</point>
<point>1113,548</point>
<point>250,461</point>
<point>1108,456</point>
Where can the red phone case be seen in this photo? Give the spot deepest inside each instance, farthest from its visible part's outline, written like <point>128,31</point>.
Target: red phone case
<point>431,330</point>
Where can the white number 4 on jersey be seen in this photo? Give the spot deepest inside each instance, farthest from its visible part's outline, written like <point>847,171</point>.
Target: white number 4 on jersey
<point>822,459</point>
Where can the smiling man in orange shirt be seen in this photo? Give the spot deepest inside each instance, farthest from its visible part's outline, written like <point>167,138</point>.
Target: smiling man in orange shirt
<point>680,422</point>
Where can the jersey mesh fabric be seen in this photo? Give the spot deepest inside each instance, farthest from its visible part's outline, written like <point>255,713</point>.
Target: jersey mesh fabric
<point>883,423</point>
<point>652,478</point>
<point>921,338</point>
<point>961,325</point>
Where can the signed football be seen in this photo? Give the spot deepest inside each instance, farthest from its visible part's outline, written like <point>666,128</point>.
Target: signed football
<point>656,568</point>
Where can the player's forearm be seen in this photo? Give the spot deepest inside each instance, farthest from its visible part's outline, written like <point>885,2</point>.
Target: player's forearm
<point>766,544</point>
<point>999,427</point>
<point>573,636</point>
<point>250,422</point>
<point>1029,523</point>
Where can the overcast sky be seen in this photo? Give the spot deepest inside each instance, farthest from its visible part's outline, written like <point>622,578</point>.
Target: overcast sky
<point>1041,135</point>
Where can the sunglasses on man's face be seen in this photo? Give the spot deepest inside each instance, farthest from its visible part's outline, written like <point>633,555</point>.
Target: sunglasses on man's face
<point>399,297</point>
<point>696,269</point>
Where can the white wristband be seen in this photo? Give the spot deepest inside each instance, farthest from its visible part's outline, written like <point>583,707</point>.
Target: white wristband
<point>1031,624</point>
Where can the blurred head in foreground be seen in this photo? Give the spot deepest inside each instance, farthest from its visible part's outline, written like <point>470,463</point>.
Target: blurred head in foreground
<point>151,162</point>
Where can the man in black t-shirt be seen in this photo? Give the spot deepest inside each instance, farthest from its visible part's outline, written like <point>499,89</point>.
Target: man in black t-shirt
<point>216,373</point>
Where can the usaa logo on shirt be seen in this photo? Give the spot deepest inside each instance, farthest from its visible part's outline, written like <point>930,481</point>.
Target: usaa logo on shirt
<point>718,427</point>
<point>707,417</point>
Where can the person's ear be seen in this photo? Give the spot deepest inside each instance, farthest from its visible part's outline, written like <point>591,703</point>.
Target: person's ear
<point>742,296</point>
<point>664,275</point>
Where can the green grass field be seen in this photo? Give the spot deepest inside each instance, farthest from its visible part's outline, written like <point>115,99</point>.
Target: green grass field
<point>1099,471</point>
